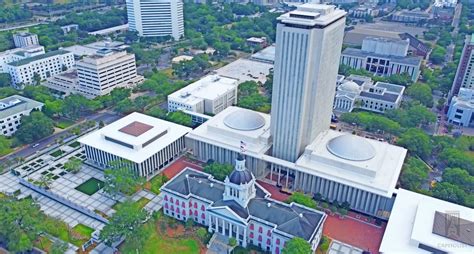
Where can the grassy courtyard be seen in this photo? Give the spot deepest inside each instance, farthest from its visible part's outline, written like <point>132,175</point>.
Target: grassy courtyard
<point>90,186</point>
<point>155,183</point>
<point>166,238</point>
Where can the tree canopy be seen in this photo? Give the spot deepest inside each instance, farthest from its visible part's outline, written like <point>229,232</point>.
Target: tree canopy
<point>297,245</point>
<point>120,178</point>
<point>34,127</point>
<point>302,199</point>
<point>416,141</point>
<point>219,171</point>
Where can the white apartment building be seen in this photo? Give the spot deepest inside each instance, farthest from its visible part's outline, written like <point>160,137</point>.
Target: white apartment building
<point>209,95</point>
<point>361,92</point>
<point>25,39</point>
<point>16,54</point>
<point>12,109</point>
<point>99,74</point>
<point>465,71</point>
<point>152,18</point>
<point>45,65</point>
<point>461,108</point>
<point>383,57</point>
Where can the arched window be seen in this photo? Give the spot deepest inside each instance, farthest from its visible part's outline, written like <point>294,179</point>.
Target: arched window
<point>278,241</point>
<point>203,208</point>
<point>203,216</point>
<point>166,198</point>
<point>251,235</point>
<point>172,208</point>
<point>277,250</point>
<point>259,238</point>
<point>196,213</point>
<point>269,233</point>
<point>183,204</point>
<point>190,203</point>
<point>171,199</point>
<point>166,205</point>
<point>196,205</point>
<point>190,212</point>
<point>177,209</point>
<point>260,229</point>
<point>251,226</point>
<point>268,241</point>
<point>177,202</point>
<point>183,212</point>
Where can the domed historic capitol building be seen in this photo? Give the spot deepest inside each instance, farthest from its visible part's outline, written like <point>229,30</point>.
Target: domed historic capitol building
<point>240,208</point>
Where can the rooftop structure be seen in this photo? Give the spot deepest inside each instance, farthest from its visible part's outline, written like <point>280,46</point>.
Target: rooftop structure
<point>411,16</point>
<point>137,138</point>
<point>17,54</point>
<point>64,83</point>
<point>110,30</point>
<point>181,58</point>
<point>246,70</point>
<point>461,108</point>
<point>210,95</point>
<point>92,48</point>
<point>422,224</point>
<point>266,55</point>
<point>384,46</point>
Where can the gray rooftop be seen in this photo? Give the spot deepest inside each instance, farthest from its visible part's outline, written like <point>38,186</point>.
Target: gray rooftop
<point>409,60</point>
<point>383,97</point>
<point>289,218</point>
<point>38,57</point>
<point>16,104</point>
<point>266,55</point>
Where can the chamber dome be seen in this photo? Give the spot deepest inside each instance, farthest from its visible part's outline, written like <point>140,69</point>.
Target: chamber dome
<point>240,175</point>
<point>244,120</point>
<point>349,86</point>
<point>351,147</point>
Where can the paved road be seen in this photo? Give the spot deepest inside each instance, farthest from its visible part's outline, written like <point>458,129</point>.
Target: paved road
<point>455,24</point>
<point>106,117</point>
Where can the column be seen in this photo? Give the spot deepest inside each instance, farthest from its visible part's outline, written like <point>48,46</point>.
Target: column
<point>244,242</point>
<point>217,225</point>
<point>237,234</point>
<point>230,229</point>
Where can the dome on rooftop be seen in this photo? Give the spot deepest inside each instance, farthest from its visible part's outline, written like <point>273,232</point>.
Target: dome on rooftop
<point>244,120</point>
<point>351,147</point>
<point>349,86</point>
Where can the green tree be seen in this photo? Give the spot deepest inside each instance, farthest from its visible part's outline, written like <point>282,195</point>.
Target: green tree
<point>180,118</point>
<point>297,245</point>
<point>416,141</point>
<point>124,106</point>
<point>219,171</point>
<point>5,145</point>
<point>422,93</point>
<point>73,165</point>
<point>414,173</point>
<point>202,234</point>
<point>19,223</point>
<point>232,242</point>
<point>449,192</point>
<point>438,55</point>
<point>5,80</point>
<point>459,177</point>
<point>119,178</point>
<point>302,199</point>
<point>34,127</point>
<point>120,93</point>
<point>126,222</point>
<point>58,247</point>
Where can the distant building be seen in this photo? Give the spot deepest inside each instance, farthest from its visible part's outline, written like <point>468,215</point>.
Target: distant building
<point>383,57</point>
<point>411,16</point>
<point>360,92</point>
<point>148,143</point>
<point>63,84</point>
<point>17,54</point>
<point>25,39</point>
<point>240,208</point>
<point>461,108</point>
<point>12,109</point>
<point>209,95</point>
<point>257,42</point>
<point>111,30</point>
<point>45,65</point>
<point>99,74</point>
<point>69,28</point>
<point>156,18</point>
<point>362,12</point>
<point>422,224</point>
<point>465,73</point>
<point>181,58</point>
<point>246,70</point>
<point>418,47</point>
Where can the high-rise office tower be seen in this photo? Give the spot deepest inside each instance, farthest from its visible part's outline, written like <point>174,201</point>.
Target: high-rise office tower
<point>465,73</point>
<point>309,42</point>
<point>156,17</point>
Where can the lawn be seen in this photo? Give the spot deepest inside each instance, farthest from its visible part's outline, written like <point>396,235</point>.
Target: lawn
<point>75,144</point>
<point>43,243</point>
<point>57,153</point>
<point>63,123</point>
<point>83,230</point>
<point>162,243</point>
<point>90,186</point>
<point>142,202</point>
<point>62,231</point>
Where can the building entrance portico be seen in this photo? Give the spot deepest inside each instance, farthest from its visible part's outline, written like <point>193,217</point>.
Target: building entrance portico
<point>229,229</point>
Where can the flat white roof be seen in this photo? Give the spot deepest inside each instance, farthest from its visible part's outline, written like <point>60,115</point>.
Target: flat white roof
<point>109,30</point>
<point>246,70</point>
<point>411,223</point>
<point>378,174</point>
<point>208,88</point>
<point>145,141</point>
<point>311,14</point>
<point>215,131</point>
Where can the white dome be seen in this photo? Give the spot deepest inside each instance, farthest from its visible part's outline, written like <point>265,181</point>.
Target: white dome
<point>244,120</point>
<point>351,147</point>
<point>349,86</point>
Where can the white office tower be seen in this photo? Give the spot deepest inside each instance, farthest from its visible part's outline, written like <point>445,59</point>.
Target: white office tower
<point>99,74</point>
<point>156,17</point>
<point>309,42</point>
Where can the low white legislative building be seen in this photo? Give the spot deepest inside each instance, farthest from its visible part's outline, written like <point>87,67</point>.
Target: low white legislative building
<point>148,143</point>
<point>422,224</point>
